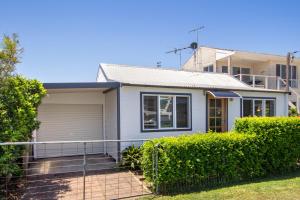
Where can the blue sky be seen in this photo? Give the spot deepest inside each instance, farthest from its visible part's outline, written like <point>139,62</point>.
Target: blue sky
<point>64,41</point>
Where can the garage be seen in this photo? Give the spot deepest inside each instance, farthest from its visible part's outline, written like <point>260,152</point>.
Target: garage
<point>69,122</point>
<point>75,112</point>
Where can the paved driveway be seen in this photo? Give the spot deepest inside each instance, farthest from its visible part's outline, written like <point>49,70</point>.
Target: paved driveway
<point>54,178</point>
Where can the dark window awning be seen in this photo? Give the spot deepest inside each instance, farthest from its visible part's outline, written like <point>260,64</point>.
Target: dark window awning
<point>221,94</point>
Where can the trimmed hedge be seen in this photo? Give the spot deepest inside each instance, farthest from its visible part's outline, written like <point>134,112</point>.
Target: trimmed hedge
<point>279,138</point>
<point>264,146</point>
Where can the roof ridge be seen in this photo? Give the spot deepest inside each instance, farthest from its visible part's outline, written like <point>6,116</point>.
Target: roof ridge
<point>164,69</point>
<point>141,67</point>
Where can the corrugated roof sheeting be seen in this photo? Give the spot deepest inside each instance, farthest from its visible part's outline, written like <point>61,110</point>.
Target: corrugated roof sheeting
<point>135,75</point>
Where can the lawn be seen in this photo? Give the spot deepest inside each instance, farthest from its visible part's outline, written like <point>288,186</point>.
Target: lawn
<point>284,187</point>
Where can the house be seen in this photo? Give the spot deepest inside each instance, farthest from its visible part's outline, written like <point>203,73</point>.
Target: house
<point>257,70</point>
<point>132,102</point>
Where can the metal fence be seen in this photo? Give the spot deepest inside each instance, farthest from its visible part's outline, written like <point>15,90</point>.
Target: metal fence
<point>70,170</point>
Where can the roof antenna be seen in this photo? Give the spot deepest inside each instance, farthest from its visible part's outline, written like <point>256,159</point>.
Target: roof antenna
<point>158,64</point>
<point>193,46</point>
<point>197,39</point>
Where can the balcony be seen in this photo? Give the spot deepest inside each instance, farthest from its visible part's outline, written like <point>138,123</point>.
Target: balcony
<point>266,82</point>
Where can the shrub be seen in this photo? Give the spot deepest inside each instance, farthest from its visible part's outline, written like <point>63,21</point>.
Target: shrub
<point>258,147</point>
<point>131,157</point>
<point>19,99</point>
<point>279,139</point>
<point>293,112</point>
<point>198,157</point>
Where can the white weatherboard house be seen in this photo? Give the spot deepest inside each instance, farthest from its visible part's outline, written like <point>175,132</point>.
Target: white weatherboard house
<point>131,102</point>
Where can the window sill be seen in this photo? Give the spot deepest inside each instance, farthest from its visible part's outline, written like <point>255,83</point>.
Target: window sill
<point>167,130</point>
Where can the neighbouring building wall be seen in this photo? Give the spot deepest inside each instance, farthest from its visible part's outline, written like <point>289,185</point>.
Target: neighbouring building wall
<point>111,122</point>
<point>131,112</point>
<point>205,57</point>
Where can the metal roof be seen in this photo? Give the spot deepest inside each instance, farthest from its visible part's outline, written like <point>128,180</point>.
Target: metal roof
<point>146,76</point>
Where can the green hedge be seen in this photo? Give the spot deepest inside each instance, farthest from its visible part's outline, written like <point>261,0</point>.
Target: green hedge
<point>264,146</point>
<point>279,137</point>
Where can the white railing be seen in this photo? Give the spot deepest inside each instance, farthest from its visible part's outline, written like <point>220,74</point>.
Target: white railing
<point>262,81</point>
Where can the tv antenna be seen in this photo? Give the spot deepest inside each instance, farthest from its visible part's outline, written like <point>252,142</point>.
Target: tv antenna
<point>197,32</point>
<point>193,45</point>
<point>197,39</point>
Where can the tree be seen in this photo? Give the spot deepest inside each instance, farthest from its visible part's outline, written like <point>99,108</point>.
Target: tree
<point>10,54</point>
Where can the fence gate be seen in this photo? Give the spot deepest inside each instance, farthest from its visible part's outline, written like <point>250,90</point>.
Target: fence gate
<point>88,175</point>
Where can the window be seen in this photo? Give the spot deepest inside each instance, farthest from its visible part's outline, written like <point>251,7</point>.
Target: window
<point>240,70</point>
<point>182,112</point>
<point>281,72</point>
<point>225,69</point>
<point>165,111</point>
<point>209,68</point>
<point>247,108</point>
<point>150,112</point>
<point>270,108</point>
<point>258,107</point>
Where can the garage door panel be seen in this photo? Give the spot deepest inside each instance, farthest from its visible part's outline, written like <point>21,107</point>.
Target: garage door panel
<point>60,122</point>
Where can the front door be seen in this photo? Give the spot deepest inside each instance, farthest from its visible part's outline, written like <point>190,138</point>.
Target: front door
<point>217,114</point>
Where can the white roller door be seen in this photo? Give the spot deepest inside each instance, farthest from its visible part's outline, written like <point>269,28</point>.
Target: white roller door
<point>69,122</point>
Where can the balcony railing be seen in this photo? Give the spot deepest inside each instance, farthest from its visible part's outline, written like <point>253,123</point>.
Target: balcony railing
<point>267,82</point>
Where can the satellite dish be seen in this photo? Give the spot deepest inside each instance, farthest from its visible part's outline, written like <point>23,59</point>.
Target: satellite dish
<point>194,45</point>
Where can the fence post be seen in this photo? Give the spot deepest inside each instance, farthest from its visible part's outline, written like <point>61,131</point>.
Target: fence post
<point>84,169</point>
<point>155,167</point>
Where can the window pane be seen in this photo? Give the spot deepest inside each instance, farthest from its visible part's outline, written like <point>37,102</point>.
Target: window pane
<point>150,112</point>
<point>247,108</point>
<point>245,70</point>
<point>277,70</point>
<point>270,108</point>
<point>166,112</point>
<point>209,68</point>
<point>235,70</point>
<point>224,69</point>
<point>258,108</point>
<point>294,72</point>
<point>182,112</point>
<point>283,71</point>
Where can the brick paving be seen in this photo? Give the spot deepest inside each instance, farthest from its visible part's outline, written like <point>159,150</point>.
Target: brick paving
<point>104,185</point>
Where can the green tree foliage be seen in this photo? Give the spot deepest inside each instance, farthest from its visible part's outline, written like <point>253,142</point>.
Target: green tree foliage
<point>10,53</point>
<point>19,100</point>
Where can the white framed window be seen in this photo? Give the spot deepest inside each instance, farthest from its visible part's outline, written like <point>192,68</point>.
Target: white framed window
<point>258,107</point>
<point>165,111</point>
